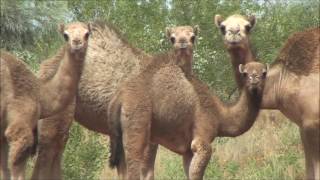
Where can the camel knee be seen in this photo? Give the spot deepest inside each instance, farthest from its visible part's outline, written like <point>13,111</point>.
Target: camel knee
<point>311,125</point>
<point>201,157</point>
<point>201,148</point>
<point>20,142</point>
<point>52,136</point>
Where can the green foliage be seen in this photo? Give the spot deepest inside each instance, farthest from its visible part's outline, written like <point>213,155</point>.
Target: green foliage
<point>85,154</point>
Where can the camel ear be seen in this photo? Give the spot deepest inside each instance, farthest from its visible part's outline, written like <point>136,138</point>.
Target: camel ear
<point>196,30</point>
<point>168,32</point>
<point>252,20</point>
<point>267,68</point>
<point>241,68</point>
<point>61,28</point>
<point>218,19</point>
<point>89,27</point>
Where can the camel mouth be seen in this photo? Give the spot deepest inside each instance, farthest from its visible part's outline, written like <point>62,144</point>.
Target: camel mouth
<point>77,47</point>
<point>233,43</point>
<point>183,46</point>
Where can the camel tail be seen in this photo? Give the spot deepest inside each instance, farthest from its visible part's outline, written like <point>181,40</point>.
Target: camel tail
<point>117,152</point>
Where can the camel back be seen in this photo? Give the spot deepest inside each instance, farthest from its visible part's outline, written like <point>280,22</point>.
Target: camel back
<point>300,54</point>
<point>22,80</point>
<point>110,60</point>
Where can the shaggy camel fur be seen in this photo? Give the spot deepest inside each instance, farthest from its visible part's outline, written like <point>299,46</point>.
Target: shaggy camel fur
<point>161,105</point>
<point>292,87</point>
<point>20,110</point>
<point>110,61</point>
<point>24,98</point>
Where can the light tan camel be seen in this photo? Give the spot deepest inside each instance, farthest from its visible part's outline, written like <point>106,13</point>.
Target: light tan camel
<point>110,61</point>
<point>161,105</point>
<point>24,98</point>
<point>292,87</point>
<point>236,30</point>
<point>59,76</point>
<point>20,110</point>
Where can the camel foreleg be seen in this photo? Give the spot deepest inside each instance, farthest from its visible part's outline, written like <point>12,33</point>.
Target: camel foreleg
<point>201,156</point>
<point>53,136</point>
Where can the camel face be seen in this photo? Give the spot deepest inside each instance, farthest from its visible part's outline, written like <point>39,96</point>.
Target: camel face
<point>76,35</point>
<point>182,37</point>
<point>235,29</point>
<point>255,74</point>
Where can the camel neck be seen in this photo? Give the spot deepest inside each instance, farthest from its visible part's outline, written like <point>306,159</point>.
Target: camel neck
<point>239,118</point>
<point>272,94</point>
<point>240,56</point>
<point>184,61</point>
<point>57,92</point>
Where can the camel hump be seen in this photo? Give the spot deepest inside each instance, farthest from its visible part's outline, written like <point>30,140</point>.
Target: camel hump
<point>23,81</point>
<point>300,54</point>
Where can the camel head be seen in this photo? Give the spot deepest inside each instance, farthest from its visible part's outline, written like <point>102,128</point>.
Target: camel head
<point>76,35</point>
<point>254,74</point>
<point>182,38</point>
<point>235,29</point>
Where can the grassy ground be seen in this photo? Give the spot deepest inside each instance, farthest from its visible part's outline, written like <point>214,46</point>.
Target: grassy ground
<point>270,150</point>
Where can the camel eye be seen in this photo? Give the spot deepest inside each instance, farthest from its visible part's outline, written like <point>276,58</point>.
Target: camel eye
<point>86,36</point>
<point>264,74</point>
<point>248,28</point>
<point>193,37</point>
<point>244,74</point>
<point>65,36</point>
<point>223,29</point>
<point>172,39</point>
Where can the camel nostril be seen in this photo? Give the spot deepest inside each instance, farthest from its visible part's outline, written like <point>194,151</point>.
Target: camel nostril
<point>183,40</point>
<point>76,41</point>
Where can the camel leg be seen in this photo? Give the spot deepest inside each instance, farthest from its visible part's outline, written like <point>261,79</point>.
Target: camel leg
<point>20,138</point>
<point>307,155</point>
<point>310,139</point>
<point>201,156</point>
<point>135,125</point>
<point>186,163</point>
<point>53,135</point>
<point>5,174</point>
<point>148,162</point>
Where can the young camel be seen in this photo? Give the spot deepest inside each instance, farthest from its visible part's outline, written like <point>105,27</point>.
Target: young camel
<point>59,76</point>
<point>161,105</point>
<point>20,110</point>
<point>110,61</point>
<point>293,78</point>
<point>24,98</point>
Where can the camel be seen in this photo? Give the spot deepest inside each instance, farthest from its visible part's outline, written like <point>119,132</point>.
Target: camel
<point>110,61</point>
<point>59,76</point>
<point>20,110</point>
<point>163,106</point>
<point>292,86</point>
<point>236,30</point>
<point>26,98</point>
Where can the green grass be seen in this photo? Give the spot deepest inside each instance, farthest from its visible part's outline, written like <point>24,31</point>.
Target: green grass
<point>270,150</point>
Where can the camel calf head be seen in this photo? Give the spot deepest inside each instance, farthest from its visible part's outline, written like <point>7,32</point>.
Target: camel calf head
<point>76,35</point>
<point>254,74</point>
<point>182,37</point>
<point>235,29</point>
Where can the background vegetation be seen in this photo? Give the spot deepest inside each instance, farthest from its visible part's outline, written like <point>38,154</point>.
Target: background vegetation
<point>271,150</point>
